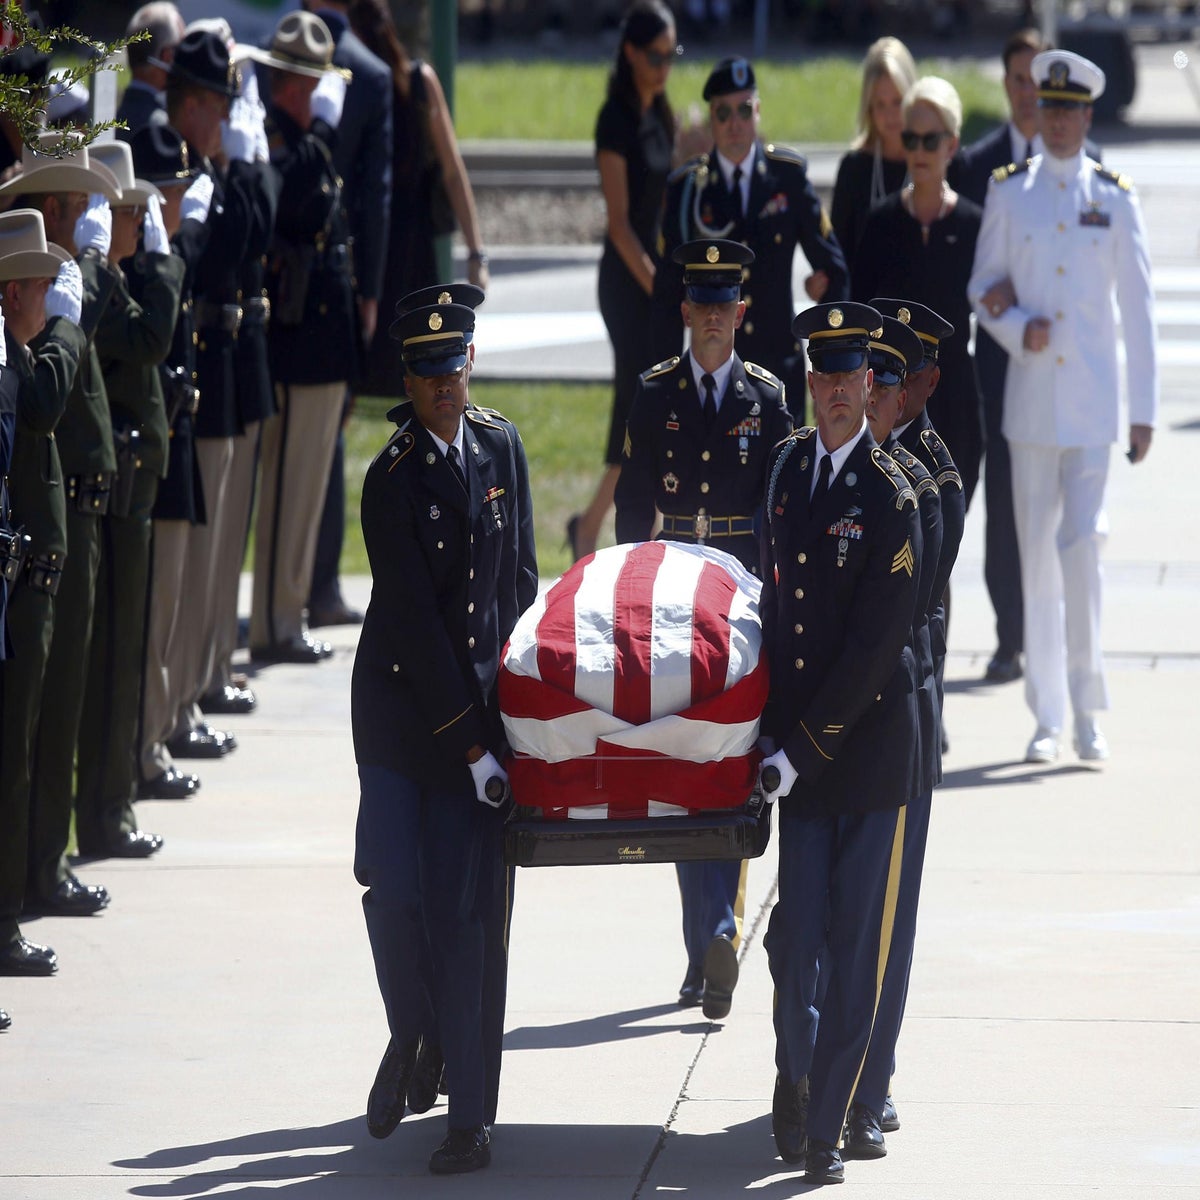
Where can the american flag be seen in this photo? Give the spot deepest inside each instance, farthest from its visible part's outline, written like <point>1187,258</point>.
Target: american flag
<point>633,686</point>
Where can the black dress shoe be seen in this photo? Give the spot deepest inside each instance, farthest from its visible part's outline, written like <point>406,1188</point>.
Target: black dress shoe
<point>129,843</point>
<point>889,1119</point>
<point>789,1118</point>
<point>863,1137</point>
<point>168,785</point>
<point>27,958</point>
<point>70,899</point>
<point>691,990</point>
<point>1004,667</point>
<point>426,1076</point>
<point>5,1019</point>
<point>301,649</point>
<point>229,701</point>
<point>823,1163</point>
<point>463,1150</point>
<point>385,1105</point>
<point>201,742</point>
<point>720,978</point>
<point>337,613</point>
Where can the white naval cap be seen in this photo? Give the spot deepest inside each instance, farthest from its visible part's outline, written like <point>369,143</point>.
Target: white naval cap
<point>1063,77</point>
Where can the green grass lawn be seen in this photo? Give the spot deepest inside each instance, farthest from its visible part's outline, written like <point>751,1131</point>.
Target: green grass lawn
<point>564,427</point>
<point>813,101</point>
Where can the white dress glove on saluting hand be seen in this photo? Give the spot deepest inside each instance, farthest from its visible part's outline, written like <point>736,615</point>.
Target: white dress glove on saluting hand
<point>237,132</point>
<point>328,98</point>
<point>196,200</point>
<point>482,770</point>
<point>787,775</point>
<point>65,295</point>
<point>93,230</point>
<point>154,231</point>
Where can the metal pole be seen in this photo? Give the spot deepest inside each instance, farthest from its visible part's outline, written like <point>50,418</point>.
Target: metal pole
<point>443,29</point>
<point>1050,22</point>
<point>762,14</point>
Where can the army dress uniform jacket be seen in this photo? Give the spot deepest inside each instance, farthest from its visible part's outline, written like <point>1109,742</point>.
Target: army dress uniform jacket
<point>133,337</point>
<point>447,587</point>
<point>921,440</point>
<point>784,211</point>
<point>706,481</point>
<point>1069,234</point>
<point>319,347</point>
<point>839,592</point>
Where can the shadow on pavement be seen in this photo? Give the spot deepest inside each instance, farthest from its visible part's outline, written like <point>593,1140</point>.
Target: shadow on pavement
<point>608,1027</point>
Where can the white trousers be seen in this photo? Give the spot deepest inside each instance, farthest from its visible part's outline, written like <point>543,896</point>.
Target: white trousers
<point>1058,502</point>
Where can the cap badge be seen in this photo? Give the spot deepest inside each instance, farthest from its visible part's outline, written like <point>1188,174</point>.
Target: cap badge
<point>183,156</point>
<point>435,321</point>
<point>903,315</point>
<point>712,254</point>
<point>741,72</point>
<point>445,298</point>
<point>1060,73</point>
<point>877,333</point>
<point>836,318</point>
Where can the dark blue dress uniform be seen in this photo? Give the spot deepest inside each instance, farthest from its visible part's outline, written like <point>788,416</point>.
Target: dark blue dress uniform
<point>840,581</point>
<point>450,567</point>
<point>784,211</point>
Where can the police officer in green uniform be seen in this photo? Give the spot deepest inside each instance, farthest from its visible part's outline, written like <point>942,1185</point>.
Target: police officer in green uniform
<point>77,216</point>
<point>45,377</point>
<point>133,337</point>
<point>758,194</point>
<point>699,432</point>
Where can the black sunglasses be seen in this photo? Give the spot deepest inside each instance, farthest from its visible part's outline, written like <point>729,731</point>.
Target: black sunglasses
<point>658,58</point>
<point>723,112</point>
<point>910,139</point>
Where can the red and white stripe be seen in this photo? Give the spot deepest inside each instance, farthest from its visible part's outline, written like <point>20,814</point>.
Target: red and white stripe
<point>634,685</point>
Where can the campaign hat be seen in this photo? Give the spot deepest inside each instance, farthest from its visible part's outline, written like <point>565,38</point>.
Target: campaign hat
<point>59,162</point>
<point>202,59</point>
<point>924,322</point>
<point>712,269</point>
<point>161,156</point>
<point>24,251</point>
<point>434,339</point>
<point>303,45</point>
<point>839,335</point>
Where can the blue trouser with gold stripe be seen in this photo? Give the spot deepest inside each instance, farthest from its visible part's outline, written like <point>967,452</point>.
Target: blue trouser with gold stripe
<point>417,851</point>
<point>837,890</point>
<point>880,1062</point>
<point>712,896</point>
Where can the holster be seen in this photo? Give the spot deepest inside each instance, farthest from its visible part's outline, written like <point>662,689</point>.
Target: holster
<point>179,393</point>
<point>125,442</point>
<point>45,573</point>
<point>15,545</point>
<point>90,493</point>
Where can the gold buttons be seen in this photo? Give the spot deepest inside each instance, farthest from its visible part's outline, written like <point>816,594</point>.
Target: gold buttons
<point>441,545</point>
<point>778,238</point>
<point>1060,270</point>
<point>471,607</point>
<point>704,487</point>
<point>799,593</point>
<point>799,628</point>
<point>802,558</point>
<point>706,455</point>
<point>1061,227</point>
<point>799,664</point>
<point>395,667</point>
<point>1061,360</point>
<point>748,300</point>
<point>670,453</point>
<point>471,643</point>
<point>748,326</point>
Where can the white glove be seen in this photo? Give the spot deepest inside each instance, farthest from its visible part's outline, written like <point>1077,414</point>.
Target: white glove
<point>328,98</point>
<point>65,295</point>
<point>250,95</point>
<point>238,133</point>
<point>196,200</point>
<point>93,230</point>
<point>484,769</point>
<point>154,231</point>
<point>787,775</point>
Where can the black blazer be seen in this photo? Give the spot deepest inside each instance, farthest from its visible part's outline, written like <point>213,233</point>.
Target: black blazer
<point>450,577</point>
<point>839,593</point>
<point>140,106</point>
<point>674,462</point>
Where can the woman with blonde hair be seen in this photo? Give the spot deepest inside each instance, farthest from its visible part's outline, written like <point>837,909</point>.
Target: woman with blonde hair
<point>875,164</point>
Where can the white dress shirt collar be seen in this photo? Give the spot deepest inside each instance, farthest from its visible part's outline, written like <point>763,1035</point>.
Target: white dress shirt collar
<point>720,377</point>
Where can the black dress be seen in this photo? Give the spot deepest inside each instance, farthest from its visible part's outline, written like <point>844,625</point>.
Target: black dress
<point>852,195</point>
<point>411,259</point>
<point>893,261</point>
<point>644,142</point>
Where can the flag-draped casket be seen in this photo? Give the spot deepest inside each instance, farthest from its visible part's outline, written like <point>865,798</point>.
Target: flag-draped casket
<point>633,686</point>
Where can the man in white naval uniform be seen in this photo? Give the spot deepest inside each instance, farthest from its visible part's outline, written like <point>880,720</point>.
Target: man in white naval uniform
<point>1061,236</point>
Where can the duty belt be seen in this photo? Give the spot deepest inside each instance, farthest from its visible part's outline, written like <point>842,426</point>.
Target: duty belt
<point>256,309</point>
<point>702,526</point>
<point>14,547</point>
<point>45,573</point>
<point>218,316</point>
<point>90,493</point>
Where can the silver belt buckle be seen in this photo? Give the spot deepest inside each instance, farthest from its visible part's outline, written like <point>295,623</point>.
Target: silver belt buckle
<point>701,525</point>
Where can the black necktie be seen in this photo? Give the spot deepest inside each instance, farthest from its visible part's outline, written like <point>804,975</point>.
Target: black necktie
<point>710,397</point>
<point>738,211</point>
<point>824,469</point>
<point>455,462</point>
<point>1028,152</point>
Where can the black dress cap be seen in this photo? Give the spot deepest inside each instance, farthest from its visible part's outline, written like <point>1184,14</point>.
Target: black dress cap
<point>729,75</point>
<point>839,335</point>
<point>434,338</point>
<point>924,322</point>
<point>896,352</point>
<point>160,156</point>
<point>712,269</point>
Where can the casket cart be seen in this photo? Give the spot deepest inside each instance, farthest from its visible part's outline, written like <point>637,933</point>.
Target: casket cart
<point>631,694</point>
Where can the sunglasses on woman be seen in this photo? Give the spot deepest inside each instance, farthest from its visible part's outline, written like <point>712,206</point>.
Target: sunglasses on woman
<point>910,139</point>
<point>723,112</point>
<point>660,58</point>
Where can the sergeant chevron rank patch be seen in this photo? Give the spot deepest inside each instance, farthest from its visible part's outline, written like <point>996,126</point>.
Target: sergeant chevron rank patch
<point>904,560</point>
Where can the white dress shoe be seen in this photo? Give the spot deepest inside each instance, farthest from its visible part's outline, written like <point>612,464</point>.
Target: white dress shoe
<point>1091,744</point>
<point>1044,747</point>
